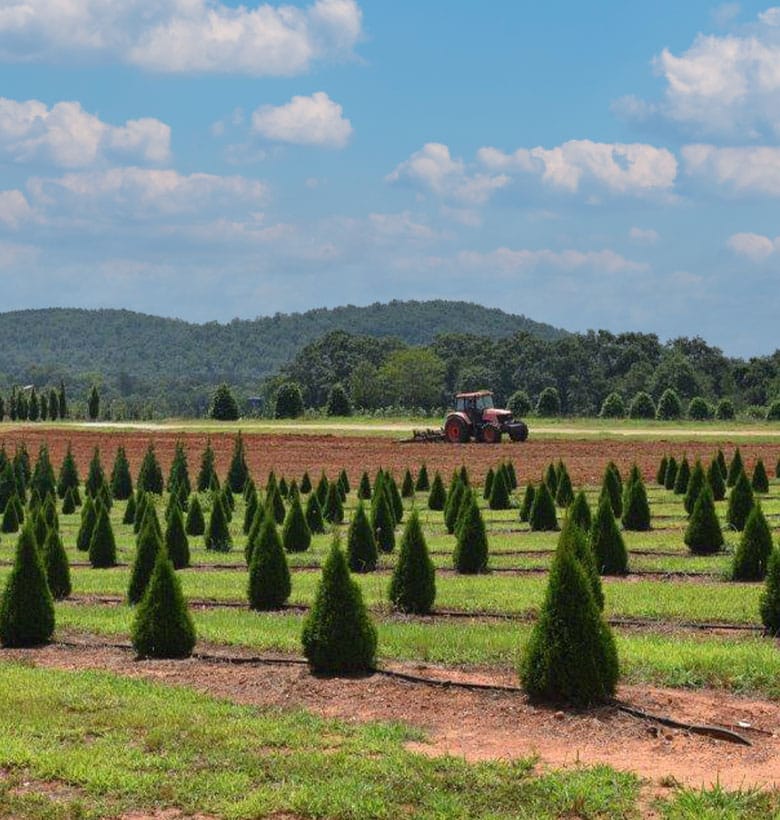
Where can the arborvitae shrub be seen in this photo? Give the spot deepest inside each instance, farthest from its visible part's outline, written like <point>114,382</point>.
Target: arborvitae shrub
<point>636,510</point>
<point>383,523</point>
<point>669,406</point>
<point>437,497</point>
<point>571,655</point>
<point>769,604</point>
<point>163,627</point>
<point>760,480</point>
<point>68,503</point>
<point>542,517</point>
<point>314,516</point>
<point>26,606</point>
<point>254,532</point>
<point>217,535</point>
<point>228,502</point>
<point>179,474</point>
<point>394,497</point>
<point>306,484</point>
<point>364,488</point>
<point>574,539</point>
<point>344,482</point>
<point>725,410</point>
<point>671,473</point>
<point>95,476</point>
<point>269,576</point>
<point>703,535</point>
<point>338,403</point>
<point>69,474</point>
<point>223,405</point>
<point>489,477</point>
<point>564,495</point>
<point>7,484</point>
<point>660,476</point>
<point>519,403</point>
<point>699,409</point>
<point>55,563</point>
<point>250,508</point>
<point>695,483</point>
<point>121,480</point>
<point>338,636</point>
<point>176,541</point>
<point>322,489</point>
<point>735,468</point>
<point>129,514</point>
<point>740,503</point>
<point>150,477</point>
<point>454,499</point>
<point>407,487</point>
<point>606,541</point>
<point>148,545</point>
<point>273,501</point>
<point>716,481</point>
<point>511,475</point>
<point>528,502</point>
<point>722,463</point>
<point>471,547</point>
<point>289,402</point>
<point>333,511</point>
<point>642,406</point>
<point>613,407</point>
<point>612,487</point>
<point>150,513</point>
<point>102,546</point>
<point>104,496</point>
<point>207,470</point>
<point>551,479</point>
<point>238,472</point>
<point>361,544</point>
<point>413,585</point>
<point>88,519</point>
<point>296,535</point>
<point>683,477</point>
<point>464,475</point>
<point>40,527</point>
<point>579,512</point>
<point>499,492</point>
<point>423,484</point>
<point>755,546</point>
<point>549,403</point>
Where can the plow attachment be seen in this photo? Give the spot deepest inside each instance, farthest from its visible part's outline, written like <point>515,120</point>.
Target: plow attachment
<point>424,437</point>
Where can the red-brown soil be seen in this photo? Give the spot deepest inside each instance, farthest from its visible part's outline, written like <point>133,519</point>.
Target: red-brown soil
<point>291,455</point>
<point>481,725</point>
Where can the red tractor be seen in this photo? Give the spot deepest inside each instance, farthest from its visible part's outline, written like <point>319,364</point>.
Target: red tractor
<point>475,417</point>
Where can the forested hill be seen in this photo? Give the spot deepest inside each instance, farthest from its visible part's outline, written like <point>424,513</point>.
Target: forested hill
<point>133,353</point>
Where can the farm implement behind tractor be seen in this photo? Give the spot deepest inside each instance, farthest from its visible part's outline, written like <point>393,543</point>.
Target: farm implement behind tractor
<point>474,417</point>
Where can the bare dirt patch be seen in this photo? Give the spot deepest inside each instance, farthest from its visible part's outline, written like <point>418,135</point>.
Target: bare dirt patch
<point>483,725</point>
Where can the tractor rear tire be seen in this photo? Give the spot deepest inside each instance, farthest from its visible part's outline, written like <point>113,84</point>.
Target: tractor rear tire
<point>455,430</point>
<point>491,435</point>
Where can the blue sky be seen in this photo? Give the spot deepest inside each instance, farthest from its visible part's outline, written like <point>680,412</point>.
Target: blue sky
<point>609,165</point>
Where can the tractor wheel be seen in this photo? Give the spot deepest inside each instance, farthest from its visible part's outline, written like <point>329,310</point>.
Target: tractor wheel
<point>491,435</point>
<point>455,430</point>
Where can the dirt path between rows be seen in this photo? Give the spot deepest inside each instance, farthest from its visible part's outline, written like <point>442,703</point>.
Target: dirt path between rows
<point>484,725</point>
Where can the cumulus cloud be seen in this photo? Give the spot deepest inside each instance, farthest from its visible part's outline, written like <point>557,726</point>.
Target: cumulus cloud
<point>508,261</point>
<point>645,235</point>
<point>754,246</point>
<point>315,120</point>
<point>181,35</point>
<point>67,136</point>
<point>740,171</point>
<point>14,209</point>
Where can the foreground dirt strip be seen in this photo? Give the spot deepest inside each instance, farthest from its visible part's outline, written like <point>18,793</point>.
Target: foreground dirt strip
<point>292,454</point>
<point>481,725</point>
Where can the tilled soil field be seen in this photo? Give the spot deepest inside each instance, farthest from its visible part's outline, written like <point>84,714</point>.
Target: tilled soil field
<point>291,455</point>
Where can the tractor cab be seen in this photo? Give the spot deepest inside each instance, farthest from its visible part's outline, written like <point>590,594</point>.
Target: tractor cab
<point>474,404</point>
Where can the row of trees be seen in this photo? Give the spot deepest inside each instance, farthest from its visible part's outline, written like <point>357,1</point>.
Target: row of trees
<point>31,405</point>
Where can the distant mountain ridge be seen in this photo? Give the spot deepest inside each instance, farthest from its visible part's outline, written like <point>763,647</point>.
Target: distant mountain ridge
<point>132,348</point>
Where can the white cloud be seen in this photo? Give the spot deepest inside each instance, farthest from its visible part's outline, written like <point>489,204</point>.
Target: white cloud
<point>508,261</point>
<point>181,35</point>
<point>645,235</point>
<point>65,135</point>
<point>754,246</point>
<point>634,168</point>
<point>315,120</point>
<point>401,225</point>
<point>14,209</point>
<point>741,170</point>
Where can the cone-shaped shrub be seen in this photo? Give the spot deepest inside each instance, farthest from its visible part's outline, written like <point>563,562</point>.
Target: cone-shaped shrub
<point>333,511</point>
<point>7,484</point>
<point>338,636</point>
<point>344,481</point>
<point>296,535</point>
<point>571,656</point>
<point>464,475</point>
<point>238,472</point>
<point>683,477</point>
<point>754,548</point>
<point>128,516</point>
<point>606,541</point>
<point>104,496</point>
<point>721,459</point>
<point>471,548</point>
<point>612,485</point>
<point>760,480</point>
<point>150,477</point>
<point>322,489</point>
<point>660,476</point>
<point>55,563</point>
<point>148,545</point>
<point>543,517</point>
<point>254,532</point>
<point>273,501</point>
<point>269,576</point>
<point>423,484</point>
<point>40,527</point>
<point>314,516</point>
<point>703,535</point>
<point>671,473</point>
<point>361,544</point>
<point>735,468</point>
<point>511,475</point>
<point>740,503</point>
<point>69,474</point>
<point>11,521</point>
<point>163,627</point>
<point>26,606</point>
<point>88,519</point>
<point>452,508</point>
<point>769,604</point>
<point>716,481</point>
<point>695,483</point>
<point>636,509</point>
<point>176,543</point>
<point>383,523</point>
<point>407,487</point>
<point>121,480</point>
<point>528,502</point>
<point>217,536</point>
<point>150,513</point>
<point>551,479</point>
<point>489,477</point>
<point>207,471</point>
<point>250,508</point>
<point>228,501</point>
<point>499,492</point>
<point>437,497</point>
<point>95,476</point>
<point>293,491</point>
<point>573,538</point>
<point>413,585</point>
<point>306,484</point>
<point>141,503</point>
<point>394,497</point>
<point>68,503</point>
<point>102,546</point>
<point>564,495</point>
<point>364,488</point>
<point>579,512</point>
<point>195,524</point>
